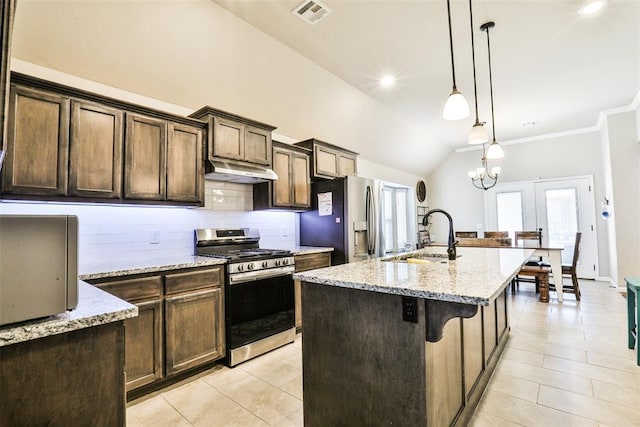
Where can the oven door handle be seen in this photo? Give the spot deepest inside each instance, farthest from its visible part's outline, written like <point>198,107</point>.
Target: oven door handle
<point>251,276</point>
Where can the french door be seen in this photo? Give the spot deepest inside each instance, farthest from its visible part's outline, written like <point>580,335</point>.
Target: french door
<point>561,207</point>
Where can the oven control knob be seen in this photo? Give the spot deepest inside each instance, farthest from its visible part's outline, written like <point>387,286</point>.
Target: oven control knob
<point>285,261</point>
<point>278,263</point>
<point>251,266</point>
<point>265,264</point>
<point>240,267</point>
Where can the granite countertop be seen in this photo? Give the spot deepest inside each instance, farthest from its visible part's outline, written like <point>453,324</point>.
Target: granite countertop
<point>95,307</point>
<point>306,250</point>
<point>476,277</point>
<point>123,267</point>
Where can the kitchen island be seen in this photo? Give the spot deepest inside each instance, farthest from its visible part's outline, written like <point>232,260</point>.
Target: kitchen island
<point>66,369</point>
<point>391,342</point>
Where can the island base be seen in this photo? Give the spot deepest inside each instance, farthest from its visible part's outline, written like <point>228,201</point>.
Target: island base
<point>364,365</point>
<point>71,379</point>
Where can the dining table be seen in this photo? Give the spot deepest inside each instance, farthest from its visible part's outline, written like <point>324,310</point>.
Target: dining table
<point>552,252</point>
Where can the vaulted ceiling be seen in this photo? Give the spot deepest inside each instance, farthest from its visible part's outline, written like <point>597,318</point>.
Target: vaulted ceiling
<point>553,70</point>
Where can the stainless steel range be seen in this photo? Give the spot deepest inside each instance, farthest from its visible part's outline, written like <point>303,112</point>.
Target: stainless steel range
<point>259,296</point>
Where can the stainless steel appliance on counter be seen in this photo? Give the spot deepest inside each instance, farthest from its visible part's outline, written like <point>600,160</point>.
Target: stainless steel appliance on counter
<point>38,266</point>
<point>258,292</point>
<point>360,218</point>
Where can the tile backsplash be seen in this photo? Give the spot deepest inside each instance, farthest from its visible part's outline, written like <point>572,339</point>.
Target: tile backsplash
<point>141,232</point>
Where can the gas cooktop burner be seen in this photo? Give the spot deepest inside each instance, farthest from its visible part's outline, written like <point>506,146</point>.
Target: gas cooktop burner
<point>249,254</point>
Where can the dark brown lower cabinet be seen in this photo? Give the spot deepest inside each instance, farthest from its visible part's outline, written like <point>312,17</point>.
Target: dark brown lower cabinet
<point>192,329</point>
<point>306,262</point>
<point>70,379</point>
<point>180,323</point>
<point>143,343</point>
<point>143,334</point>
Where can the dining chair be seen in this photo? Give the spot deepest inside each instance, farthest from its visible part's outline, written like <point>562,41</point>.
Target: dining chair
<point>533,238</point>
<point>467,234</point>
<point>486,242</point>
<point>496,234</point>
<point>529,236</point>
<point>570,269</point>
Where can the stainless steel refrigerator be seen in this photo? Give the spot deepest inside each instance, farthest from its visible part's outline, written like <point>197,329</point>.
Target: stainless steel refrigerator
<point>348,215</point>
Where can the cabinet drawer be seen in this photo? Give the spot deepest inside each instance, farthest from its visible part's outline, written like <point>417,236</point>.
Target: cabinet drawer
<point>190,280</point>
<point>134,289</point>
<point>311,261</point>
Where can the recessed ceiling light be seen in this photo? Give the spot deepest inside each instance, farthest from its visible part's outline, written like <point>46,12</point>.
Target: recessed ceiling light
<point>387,80</point>
<point>592,7</point>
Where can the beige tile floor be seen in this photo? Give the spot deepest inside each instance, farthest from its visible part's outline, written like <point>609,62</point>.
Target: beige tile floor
<point>565,365</point>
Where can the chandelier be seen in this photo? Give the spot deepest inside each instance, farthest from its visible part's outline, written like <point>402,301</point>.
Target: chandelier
<point>483,177</point>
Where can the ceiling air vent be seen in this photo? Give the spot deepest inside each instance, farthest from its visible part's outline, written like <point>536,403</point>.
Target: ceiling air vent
<point>311,11</point>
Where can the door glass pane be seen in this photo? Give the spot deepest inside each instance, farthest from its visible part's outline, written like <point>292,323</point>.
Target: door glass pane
<point>562,220</point>
<point>509,211</point>
<point>401,210</point>
<point>395,222</point>
<point>388,220</point>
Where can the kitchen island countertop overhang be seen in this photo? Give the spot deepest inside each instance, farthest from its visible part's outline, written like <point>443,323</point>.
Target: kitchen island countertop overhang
<point>476,277</point>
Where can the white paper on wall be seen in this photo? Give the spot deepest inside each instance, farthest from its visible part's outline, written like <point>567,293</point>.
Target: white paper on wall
<point>325,204</point>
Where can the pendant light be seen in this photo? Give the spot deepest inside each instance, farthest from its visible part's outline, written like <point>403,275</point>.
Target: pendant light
<point>456,107</point>
<point>495,150</point>
<point>483,177</point>
<point>478,134</point>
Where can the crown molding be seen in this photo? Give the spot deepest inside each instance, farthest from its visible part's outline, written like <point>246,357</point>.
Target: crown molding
<point>633,106</point>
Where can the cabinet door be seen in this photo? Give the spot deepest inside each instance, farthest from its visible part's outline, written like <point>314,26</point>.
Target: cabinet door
<point>184,163</point>
<point>257,145</point>
<point>326,162</point>
<point>346,165</point>
<point>145,147</point>
<point>194,329</point>
<point>472,344</point>
<point>7,8</point>
<point>489,324</point>
<point>282,195</point>
<point>37,143</point>
<point>143,345</point>
<point>444,376</point>
<point>95,167</point>
<point>228,139</point>
<point>301,182</point>
<point>304,263</point>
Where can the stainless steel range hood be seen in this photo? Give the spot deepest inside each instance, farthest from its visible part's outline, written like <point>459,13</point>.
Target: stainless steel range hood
<point>219,170</point>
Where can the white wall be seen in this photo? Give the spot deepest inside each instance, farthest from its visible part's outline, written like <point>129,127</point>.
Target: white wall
<point>620,137</point>
<point>450,188</point>
<point>195,53</point>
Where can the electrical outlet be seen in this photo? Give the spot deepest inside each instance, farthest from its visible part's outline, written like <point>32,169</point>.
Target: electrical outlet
<point>410,309</point>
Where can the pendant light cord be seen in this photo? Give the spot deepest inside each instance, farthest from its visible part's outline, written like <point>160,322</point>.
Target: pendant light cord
<point>486,27</point>
<point>453,67</point>
<point>473,60</point>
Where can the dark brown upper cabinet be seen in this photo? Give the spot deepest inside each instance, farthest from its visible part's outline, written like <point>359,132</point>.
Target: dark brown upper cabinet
<point>329,161</point>
<point>144,163</point>
<point>185,171</point>
<point>292,190</point>
<point>70,145</point>
<point>37,144</point>
<point>95,166</point>
<point>236,138</point>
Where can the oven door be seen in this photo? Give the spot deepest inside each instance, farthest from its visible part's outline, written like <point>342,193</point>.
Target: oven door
<point>258,309</point>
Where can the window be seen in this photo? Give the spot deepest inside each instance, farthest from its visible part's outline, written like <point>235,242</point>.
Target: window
<point>509,211</point>
<point>395,219</point>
